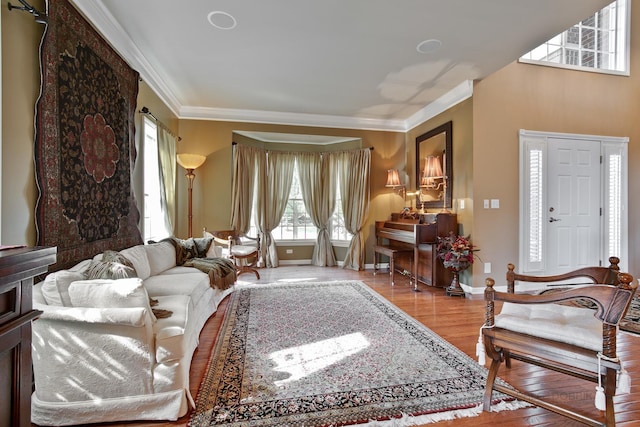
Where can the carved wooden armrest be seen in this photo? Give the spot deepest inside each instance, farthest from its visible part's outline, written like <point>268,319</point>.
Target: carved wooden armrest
<point>611,301</point>
<point>601,275</point>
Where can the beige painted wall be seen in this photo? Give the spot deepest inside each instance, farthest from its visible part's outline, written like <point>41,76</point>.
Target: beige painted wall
<point>20,88</point>
<point>522,96</point>
<point>212,185</point>
<point>461,116</point>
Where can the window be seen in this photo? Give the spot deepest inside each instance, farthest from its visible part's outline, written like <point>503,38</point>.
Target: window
<point>597,43</point>
<point>296,224</point>
<point>154,225</point>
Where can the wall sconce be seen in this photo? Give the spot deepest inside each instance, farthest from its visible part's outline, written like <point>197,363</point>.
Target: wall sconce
<point>393,181</point>
<point>190,162</point>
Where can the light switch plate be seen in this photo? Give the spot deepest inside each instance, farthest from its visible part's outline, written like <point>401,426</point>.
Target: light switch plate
<point>486,203</point>
<point>495,204</point>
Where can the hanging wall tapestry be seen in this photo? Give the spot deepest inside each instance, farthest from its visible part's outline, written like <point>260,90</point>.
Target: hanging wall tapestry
<point>85,147</point>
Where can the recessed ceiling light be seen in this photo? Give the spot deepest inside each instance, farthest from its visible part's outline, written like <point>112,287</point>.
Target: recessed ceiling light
<point>429,46</point>
<point>222,20</point>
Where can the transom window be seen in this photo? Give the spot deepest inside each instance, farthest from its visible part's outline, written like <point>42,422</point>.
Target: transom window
<point>597,43</point>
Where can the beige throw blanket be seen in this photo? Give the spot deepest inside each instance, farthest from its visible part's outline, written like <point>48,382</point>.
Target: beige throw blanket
<point>216,268</point>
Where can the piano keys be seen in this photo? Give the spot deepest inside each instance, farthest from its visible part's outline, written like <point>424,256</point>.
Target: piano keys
<point>419,233</point>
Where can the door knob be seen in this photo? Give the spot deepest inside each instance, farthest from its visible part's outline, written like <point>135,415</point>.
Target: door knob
<point>552,219</point>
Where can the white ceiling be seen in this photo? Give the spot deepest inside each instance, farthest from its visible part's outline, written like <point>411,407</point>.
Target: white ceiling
<point>338,63</point>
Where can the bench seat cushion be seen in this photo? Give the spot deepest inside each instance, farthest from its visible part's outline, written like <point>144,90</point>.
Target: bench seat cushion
<point>571,325</point>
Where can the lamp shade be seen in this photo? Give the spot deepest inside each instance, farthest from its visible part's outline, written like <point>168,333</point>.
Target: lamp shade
<point>393,178</point>
<point>432,170</point>
<point>190,161</point>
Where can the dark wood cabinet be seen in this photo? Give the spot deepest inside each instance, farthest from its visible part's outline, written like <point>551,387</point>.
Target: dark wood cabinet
<point>420,233</point>
<point>18,267</point>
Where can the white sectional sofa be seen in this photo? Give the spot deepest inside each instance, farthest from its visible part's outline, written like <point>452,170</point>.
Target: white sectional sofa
<point>100,354</point>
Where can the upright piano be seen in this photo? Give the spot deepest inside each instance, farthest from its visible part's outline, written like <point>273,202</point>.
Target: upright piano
<point>420,233</point>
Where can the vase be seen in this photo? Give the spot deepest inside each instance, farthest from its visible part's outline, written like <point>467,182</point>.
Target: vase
<point>454,288</point>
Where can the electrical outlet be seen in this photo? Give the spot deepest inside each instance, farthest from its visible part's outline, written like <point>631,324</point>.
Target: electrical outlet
<point>289,251</point>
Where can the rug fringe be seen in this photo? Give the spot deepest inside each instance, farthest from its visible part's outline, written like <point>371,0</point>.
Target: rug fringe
<point>407,420</point>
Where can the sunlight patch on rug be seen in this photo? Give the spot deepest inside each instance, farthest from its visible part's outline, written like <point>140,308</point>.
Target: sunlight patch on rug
<point>304,360</point>
<point>332,353</point>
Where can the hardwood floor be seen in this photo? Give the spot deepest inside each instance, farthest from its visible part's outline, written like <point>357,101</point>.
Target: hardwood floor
<point>457,320</point>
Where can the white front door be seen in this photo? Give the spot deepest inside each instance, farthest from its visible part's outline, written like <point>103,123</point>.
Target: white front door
<point>573,204</point>
<point>573,201</point>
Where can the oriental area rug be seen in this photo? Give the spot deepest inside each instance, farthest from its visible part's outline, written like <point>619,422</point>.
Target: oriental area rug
<point>85,141</point>
<point>332,354</point>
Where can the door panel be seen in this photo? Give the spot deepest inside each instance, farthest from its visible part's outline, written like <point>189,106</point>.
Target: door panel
<point>573,204</point>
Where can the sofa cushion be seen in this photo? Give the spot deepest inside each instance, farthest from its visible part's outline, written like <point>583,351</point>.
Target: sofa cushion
<point>571,325</point>
<point>193,284</point>
<point>55,288</point>
<point>107,293</point>
<point>161,256</point>
<point>138,257</point>
<point>169,332</point>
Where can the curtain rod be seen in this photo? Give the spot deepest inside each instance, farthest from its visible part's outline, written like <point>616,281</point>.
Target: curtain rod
<point>41,18</point>
<point>146,111</point>
<point>235,143</point>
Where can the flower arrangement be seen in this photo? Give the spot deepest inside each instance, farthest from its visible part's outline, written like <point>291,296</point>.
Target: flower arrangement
<point>456,252</point>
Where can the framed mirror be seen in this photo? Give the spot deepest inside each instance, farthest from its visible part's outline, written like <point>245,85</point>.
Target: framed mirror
<point>434,168</point>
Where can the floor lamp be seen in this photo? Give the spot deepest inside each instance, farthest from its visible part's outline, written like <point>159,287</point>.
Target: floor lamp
<point>190,162</point>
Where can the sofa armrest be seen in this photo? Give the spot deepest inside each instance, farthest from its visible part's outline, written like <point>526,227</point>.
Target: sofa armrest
<point>132,316</point>
<point>82,354</point>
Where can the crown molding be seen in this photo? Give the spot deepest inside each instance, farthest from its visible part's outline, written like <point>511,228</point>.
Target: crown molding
<point>456,95</point>
<point>293,119</point>
<point>111,30</point>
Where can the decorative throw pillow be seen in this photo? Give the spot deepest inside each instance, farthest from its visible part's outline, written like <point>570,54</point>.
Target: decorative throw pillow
<point>185,249</point>
<point>109,270</point>
<point>113,256</point>
<point>202,245</point>
<point>55,288</point>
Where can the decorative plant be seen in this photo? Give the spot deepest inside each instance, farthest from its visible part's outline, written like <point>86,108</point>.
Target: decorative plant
<point>456,252</point>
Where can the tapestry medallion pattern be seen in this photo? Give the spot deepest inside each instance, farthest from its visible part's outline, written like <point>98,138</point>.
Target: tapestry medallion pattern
<point>85,146</point>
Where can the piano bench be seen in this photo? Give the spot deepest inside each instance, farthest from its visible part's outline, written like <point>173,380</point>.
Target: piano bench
<point>391,253</point>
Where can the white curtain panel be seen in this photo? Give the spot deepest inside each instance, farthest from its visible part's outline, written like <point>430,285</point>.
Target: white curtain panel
<point>317,174</point>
